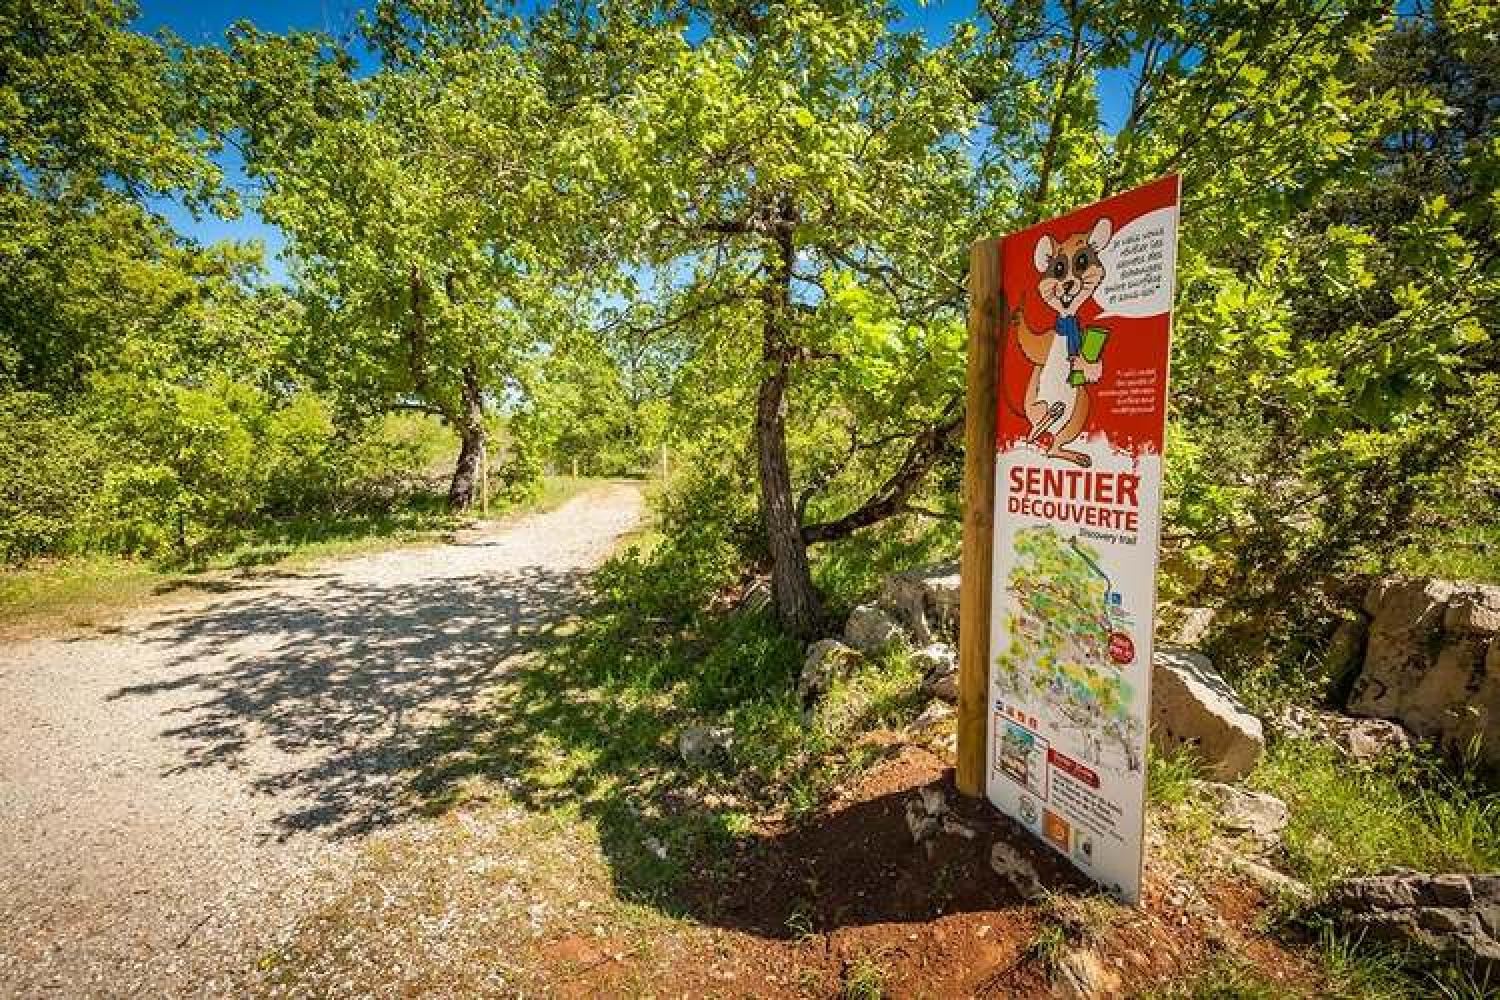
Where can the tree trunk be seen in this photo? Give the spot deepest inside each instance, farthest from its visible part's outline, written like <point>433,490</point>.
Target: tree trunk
<point>472,442</point>
<point>796,600</point>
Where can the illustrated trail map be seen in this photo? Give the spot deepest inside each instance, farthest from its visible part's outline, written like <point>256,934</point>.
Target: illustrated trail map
<point>1068,637</point>
<point>1084,335</point>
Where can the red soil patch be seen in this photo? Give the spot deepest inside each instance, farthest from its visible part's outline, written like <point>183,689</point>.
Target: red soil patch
<point>811,905</point>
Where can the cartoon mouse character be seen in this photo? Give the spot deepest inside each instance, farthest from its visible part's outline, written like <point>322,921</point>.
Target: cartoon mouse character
<point>1057,391</point>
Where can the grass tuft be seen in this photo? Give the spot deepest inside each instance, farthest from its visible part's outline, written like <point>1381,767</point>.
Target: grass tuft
<point>1227,977</point>
<point>864,979</point>
<point>1350,820</point>
<point>1047,946</point>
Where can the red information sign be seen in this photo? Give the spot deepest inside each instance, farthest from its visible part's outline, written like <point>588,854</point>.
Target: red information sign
<point>1085,338</point>
<point>1094,288</point>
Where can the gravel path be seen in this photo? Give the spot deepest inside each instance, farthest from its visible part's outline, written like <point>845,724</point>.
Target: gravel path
<point>173,789</point>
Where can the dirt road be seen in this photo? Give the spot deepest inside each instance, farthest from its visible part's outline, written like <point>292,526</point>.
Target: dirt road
<point>173,789</point>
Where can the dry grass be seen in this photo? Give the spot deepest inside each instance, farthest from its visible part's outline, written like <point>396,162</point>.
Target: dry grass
<point>488,900</point>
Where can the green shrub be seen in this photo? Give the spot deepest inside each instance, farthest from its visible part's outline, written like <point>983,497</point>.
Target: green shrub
<point>389,460</point>
<point>302,456</point>
<point>48,478</point>
<point>140,510</point>
<point>190,463</point>
<point>151,468</point>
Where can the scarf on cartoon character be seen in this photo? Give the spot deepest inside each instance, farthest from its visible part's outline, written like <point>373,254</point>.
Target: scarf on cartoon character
<point>1069,327</point>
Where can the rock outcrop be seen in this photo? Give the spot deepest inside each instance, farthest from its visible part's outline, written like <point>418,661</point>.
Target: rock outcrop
<point>915,608</point>
<point>1011,865</point>
<point>1361,740</point>
<point>756,598</point>
<point>1240,810</point>
<point>927,815</point>
<point>1344,656</point>
<point>1367,739</point>
<point>699,744</point>
<point>827,660</point>
<point>924,600</point>
<point>1184,626</point>
<point>932,717</point>
<point>1270,881</point>
<point>1432,663</point>
<point>1193,707</point>
<point>1082,974</point>
<point>939,665</point>
<point>1455,915</point>
<point>870,629</point>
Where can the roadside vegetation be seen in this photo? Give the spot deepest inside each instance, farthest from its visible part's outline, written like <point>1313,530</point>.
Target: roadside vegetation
<point>1410,809</point>
<point>90,588</point>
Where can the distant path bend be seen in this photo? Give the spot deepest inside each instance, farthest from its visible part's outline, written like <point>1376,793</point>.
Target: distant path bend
<point>169,785</point>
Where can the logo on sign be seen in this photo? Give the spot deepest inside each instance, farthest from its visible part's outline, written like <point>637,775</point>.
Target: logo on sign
<point>1056,829</point>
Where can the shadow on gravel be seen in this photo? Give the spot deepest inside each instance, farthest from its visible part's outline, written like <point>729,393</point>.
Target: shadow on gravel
<point>228,584</point>
<point>350,680</point>
<point>680,839</point>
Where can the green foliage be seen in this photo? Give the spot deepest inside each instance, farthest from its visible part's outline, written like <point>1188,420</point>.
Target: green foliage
<point>92,118</point>
<point>853,570</point>
<point>50,459</point>
<point>1335,378</point>
<point>1345,968</point>
<point>852,173</point>
<point>97,284</point>
<point>193,468</point>
<point>429,205</point>
<point>1466,552</point>
<point>727,660</point>
<point>85,101</point>
<point>1177,804</point>
<point>1170,778</point>
<point>618,225</point>
<point>584,410</point>
<point>164,470</point>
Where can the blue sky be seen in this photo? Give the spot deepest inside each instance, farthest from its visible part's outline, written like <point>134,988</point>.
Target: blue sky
<point>202,23</point>
<point>205,24</point>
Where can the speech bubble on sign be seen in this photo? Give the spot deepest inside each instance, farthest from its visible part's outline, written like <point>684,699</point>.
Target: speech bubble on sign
<point>1140,261</point>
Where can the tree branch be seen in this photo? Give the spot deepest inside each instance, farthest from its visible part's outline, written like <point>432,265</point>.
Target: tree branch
<point>892,496</point>
<point>940,515</point>
<point>414,406</point>
<point>1059,111</point>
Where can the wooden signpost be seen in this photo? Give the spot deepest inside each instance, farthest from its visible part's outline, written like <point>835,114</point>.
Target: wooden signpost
<point>1069,341</point>
<point>980,410</point>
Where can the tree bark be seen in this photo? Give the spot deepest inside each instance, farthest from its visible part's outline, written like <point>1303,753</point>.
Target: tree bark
<point>796,599</point>
<point>470,426</point>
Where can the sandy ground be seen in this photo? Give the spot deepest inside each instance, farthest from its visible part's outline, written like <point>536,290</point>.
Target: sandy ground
<point>175,789</point>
